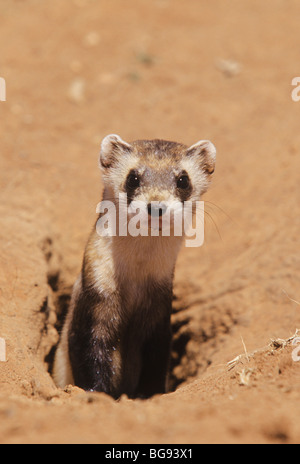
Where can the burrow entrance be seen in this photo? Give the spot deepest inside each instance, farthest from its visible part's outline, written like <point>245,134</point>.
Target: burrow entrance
<point>198,331</point>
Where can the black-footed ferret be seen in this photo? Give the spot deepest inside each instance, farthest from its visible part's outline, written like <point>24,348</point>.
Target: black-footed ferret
<point>117,334</point>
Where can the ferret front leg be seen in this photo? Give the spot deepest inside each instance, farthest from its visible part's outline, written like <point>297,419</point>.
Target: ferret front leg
<point>155,363</point>
<point>92,346</point>
<point>93,364</point>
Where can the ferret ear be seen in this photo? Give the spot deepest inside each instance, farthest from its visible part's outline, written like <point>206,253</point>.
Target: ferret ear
<point>205,151</point>
<point>111,148</point>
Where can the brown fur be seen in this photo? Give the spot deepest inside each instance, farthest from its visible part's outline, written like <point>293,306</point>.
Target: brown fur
<point>117,333</point>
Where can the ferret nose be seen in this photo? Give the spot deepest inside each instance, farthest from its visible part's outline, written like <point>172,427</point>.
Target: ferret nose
<point>156,210</point>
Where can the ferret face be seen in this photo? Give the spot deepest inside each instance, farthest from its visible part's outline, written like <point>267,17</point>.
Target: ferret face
<point>156,171</point>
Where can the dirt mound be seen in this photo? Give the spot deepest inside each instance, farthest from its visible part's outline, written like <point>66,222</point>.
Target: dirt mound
<point>76,71</point>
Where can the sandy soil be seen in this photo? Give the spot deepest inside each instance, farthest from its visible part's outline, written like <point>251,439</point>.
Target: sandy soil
<point>78,70</point>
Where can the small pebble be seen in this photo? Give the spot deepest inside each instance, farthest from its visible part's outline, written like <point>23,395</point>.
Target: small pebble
<point>77,91</point>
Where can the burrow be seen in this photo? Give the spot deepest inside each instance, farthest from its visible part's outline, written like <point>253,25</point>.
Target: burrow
<point>198,331</point>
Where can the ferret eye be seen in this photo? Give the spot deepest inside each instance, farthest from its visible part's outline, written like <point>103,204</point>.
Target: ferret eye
<point>183,182</point>
<point>133,181</point>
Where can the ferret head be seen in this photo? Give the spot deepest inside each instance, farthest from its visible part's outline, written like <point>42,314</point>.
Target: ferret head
<point>156,170</point>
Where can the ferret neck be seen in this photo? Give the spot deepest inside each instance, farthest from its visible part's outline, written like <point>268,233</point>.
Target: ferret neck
<point>141,258</point>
